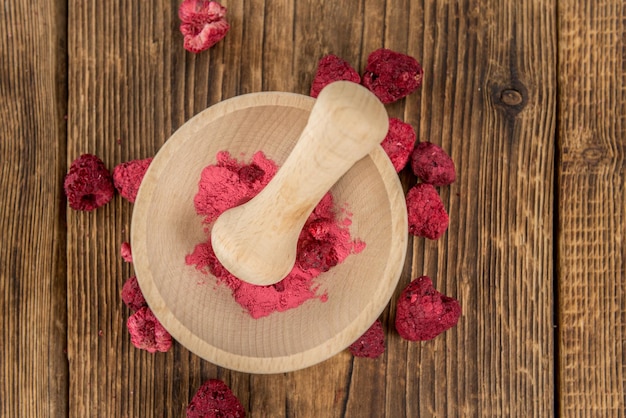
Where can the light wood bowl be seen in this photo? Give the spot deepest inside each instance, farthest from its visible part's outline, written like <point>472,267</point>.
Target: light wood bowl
<point>201,314</point>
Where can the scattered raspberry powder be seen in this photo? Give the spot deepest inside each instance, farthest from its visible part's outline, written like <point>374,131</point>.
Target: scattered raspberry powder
<point>132,296</point>
<point>391,75</point>
<point>432,165</point>
<point>126,252</point>
<point>423,313</point>
<point>371,344</point>
<point>127,177</point>
<point>332,68</point>
<point>147,333</point>
<point>324,241</point>
<point>399,143</point>
<point>427,215</point>
<point>214,399</point>
<point>88,184</point>
<point>203,24</point>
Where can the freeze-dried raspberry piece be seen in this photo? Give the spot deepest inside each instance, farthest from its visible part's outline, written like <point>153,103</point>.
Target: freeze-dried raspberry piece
<point>399,143</point>
<point>332,68</point>
<point>203,24</point>
<point>131,294</point>
<point>422,312</point>
<point>371,344</point>
<point>427,215</point>
<point>147,333</point>
<point>88,184</point>
<point>432,165</point>
<point>391,75</point>
<point>126,252</point>
<point>127,177</point>
<point>215,399</point>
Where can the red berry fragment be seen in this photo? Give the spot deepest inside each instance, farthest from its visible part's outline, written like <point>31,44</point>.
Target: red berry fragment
<point>132,296</point>
<point>332,68</point>
<point>371,344</point>
<point>126,252</point>
<point>427,215</point>
<point>88,184</point>
<point>215,399</point>
<point>432,165</point>
<point>203,24</point>
<point>391,75</point>
<point>399,143</point>
<point>422,312</point>
<point>127,177</point>
<point>147,333</point>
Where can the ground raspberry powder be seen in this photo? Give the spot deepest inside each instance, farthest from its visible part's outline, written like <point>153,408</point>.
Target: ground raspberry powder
<point>391,75</point>
<point>127,177</point>
<point>215,399</point>
<point>399,143</point>
<point>203,24</point>
<point>324,241</point>
<point>432,165</point>
<point>332,68</point>
<point>147,333</point>
<point>423,313</point>
<point>88,184</point>
<point>132,296</point>
<point>426,214</point>
<point>371,344</point>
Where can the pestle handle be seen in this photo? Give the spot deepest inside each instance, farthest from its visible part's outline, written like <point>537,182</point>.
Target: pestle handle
<point>257,241</point>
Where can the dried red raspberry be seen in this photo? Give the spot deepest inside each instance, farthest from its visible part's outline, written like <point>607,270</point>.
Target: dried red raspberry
<point>391,75</point>
<point>88,183</point>
<point>132,296</point>
<point>127,177</point>
<point>147,333</point>
<point>332,68</point>
<point>422,312</point>
<point>432,165</point>
<point>215,399</point>
<point>427,215</point>
<point>371,344</point>
<point>203,24</point>
<point>399,143</point>
<point>126,252</point>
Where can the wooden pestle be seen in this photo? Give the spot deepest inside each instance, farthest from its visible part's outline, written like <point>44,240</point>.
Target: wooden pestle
<point>257,241</point>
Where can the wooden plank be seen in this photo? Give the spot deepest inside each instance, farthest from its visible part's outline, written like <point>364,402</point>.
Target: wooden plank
<point>33,363</point>
<point>592,201</point>
<point>132,85</point>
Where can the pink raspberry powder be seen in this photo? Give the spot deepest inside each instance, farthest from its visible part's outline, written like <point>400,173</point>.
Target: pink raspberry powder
<point>324,242</point>
<point>147,333</point>
<point>423,313</point>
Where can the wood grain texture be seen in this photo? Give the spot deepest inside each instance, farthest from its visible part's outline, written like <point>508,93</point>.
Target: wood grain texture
<point>591,255</point>
<point>488,98</point>
<point>33,363</point>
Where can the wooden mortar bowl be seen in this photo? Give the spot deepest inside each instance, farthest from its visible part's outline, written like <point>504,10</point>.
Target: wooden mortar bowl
<point>201,314</point>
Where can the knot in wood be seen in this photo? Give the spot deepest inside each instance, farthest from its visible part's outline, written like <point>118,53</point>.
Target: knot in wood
<point>511,97</point>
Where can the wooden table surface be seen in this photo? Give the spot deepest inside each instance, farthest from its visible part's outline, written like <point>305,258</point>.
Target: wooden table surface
<point>529,98</point>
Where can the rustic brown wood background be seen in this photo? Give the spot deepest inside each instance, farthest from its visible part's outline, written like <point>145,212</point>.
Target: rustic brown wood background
<point>529,97</point>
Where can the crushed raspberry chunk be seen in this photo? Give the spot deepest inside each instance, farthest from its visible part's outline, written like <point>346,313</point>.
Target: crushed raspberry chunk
<point>88,184</point>
<point>126,252</point>
<point>332,68</point>
<point>371,344</point>
<point>391,75</point>
<point>147,333</point>
<point>131,294</point>
<point>203,24</point>
<point>215,399</point>
<point>127,177</point>
<point>426,214</point>
<point>432,165</point>
<point>399,143</point>
<point>423,313</point>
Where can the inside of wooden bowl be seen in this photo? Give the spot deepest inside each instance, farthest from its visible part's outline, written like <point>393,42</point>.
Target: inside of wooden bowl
<point>199,312</point>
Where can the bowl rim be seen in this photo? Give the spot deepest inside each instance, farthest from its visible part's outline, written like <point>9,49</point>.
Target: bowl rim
<point>263,365</point>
